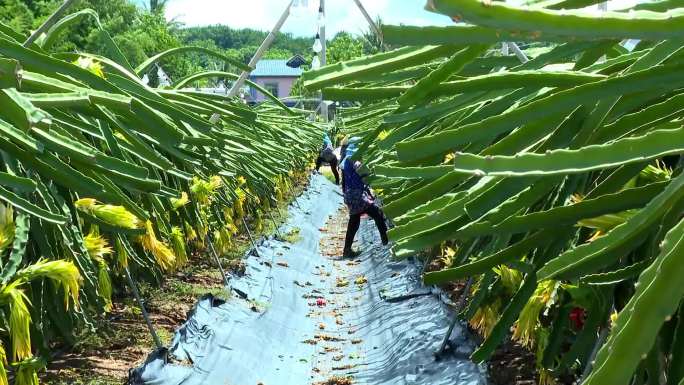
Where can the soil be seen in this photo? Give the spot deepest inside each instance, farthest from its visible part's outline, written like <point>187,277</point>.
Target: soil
<point>511,363</point>
<point>336,381</point>
<point>104,357</point>
<point>122,340</point>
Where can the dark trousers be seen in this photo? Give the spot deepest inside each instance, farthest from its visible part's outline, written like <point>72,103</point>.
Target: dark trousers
<point>374,212</point>
<point>333,167</point>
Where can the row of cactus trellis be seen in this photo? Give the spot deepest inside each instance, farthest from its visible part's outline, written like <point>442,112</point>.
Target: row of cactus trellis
<point>554,186</point>
<point>104,180</point>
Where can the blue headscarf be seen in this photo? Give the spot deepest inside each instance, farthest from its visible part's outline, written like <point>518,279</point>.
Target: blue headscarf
<point>326,140</point>
<point>349,151</point>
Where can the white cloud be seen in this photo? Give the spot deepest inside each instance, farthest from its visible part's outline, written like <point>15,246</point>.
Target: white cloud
<point>258,14</point>
<point>345,16</point>
<point>341,15</point>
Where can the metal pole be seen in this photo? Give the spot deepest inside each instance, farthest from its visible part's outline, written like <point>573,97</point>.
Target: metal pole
<point>370,21</point>
<point>518,52</point>
<point>603,334</point>
<point>323,58</point>
<point>323,54</point>
<point>270,214</point>
<point>136,294</point>
<point>603,7</point>
<point>590,363</point>
<point>251,239</point>
<point>262,49</point>
<point>459,306</point>
<point>275,224</point>
<point>49,22</point>
<point>226,279</point>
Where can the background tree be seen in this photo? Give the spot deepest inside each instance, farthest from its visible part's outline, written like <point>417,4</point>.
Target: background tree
<point>141,32</point>
<point>344,47</point>
<point>17,15</point>
<point>372,43</point>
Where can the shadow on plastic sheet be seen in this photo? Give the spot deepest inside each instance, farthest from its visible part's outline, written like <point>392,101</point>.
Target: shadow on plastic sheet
<point>397,323</point>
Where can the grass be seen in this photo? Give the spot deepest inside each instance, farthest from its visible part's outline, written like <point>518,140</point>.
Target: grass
<point>164,335</point>
<point>75,380</point>
<point>242,241</point>
<point>328,174</point>
<point>292,236</point>
<point>179,291</point>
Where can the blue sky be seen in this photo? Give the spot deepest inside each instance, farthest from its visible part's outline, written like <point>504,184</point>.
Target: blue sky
<point>342,15</point>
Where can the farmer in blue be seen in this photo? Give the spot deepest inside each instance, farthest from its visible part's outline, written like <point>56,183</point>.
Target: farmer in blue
<point>358,198</point>
<point>327,155</point>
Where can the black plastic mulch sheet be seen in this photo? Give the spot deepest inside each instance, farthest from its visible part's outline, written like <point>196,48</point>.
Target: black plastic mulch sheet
<point>308,317</point>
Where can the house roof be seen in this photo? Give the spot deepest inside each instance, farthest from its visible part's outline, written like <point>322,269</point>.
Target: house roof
<point>271,67</point>
<point>296,61</point>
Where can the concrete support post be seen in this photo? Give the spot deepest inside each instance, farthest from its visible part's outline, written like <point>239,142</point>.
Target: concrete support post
<point>261,50</point>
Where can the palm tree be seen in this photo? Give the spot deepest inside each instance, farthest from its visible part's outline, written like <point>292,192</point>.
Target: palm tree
<point>157,5</point>
<point>372,43</point>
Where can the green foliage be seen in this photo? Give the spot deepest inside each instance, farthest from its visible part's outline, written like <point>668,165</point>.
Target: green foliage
<point>575,183</point>
<point>17,15</point>
<point>225,37</point>
<point>93,164</point>
<point>140,33</point>
<point>372,43</point>
<point>344,47</point>
<point>239,44</point>
<point>157,6</point>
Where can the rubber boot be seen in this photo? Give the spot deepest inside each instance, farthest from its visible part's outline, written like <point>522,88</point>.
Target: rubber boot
<point>383,237</point>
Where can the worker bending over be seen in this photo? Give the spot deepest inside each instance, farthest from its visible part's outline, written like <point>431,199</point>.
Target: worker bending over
<point>327,154</point>
<point>358,198</point>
